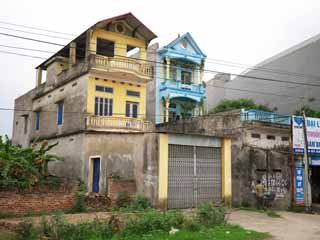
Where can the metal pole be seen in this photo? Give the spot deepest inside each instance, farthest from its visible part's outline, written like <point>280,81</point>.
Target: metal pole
<point>308,199</point>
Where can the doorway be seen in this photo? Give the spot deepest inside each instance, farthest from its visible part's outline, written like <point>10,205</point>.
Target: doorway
<point>315,184</point>
<point>95,163</point>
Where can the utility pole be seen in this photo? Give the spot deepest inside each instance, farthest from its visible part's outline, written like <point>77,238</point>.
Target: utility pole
<point>307,185</point>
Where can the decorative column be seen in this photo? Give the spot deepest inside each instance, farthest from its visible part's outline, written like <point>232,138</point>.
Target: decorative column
<point>201,71</point>
<point>91,44</point>
<point>167,103</point>
<point>226,170</point>
<point>39,77</point>
<point>72,54</point>
<point>168,68</point>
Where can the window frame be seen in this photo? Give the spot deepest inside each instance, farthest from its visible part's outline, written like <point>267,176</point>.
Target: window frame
<point>100,104</point>
<point>37,123</point>
<point>131,104</point>
<point>60,120</point>
<point>135,93</point>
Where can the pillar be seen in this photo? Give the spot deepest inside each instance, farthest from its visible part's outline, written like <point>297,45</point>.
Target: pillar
<point>91,44</point>
<point>167,103</point>
<point>168,68</point>
<point>39,77</point>
<point>72,54</point>
<point>143,54</point>
<point>161,111</point>
<point>201,72</point>
<point>163,171</point>
<point>226,171</point>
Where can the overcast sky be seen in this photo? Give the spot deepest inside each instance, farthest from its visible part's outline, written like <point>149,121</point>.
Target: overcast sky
<point>246,31</point>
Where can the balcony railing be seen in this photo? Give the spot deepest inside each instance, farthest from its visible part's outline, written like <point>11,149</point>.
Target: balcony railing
<point>257,115</point>
<point>122,64</point>
<point>109,123</point>
<point>197,88</point>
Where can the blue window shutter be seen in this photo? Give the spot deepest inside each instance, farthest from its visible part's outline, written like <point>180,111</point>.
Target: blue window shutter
<point>60,113</point>
<point>37,120</point>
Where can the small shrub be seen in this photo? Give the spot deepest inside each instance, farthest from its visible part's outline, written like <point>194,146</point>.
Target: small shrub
<point>152,220</point>
<point>26,231</point>
<point>209,215</point>
<point>123,199</point>
<point>191,225</point>
<point>245,204</point>
<point>273,214</point>
<point>80,201</point>
<point>140,203</point>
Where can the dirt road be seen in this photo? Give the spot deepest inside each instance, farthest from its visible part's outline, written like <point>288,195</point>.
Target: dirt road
<point>290,226</point>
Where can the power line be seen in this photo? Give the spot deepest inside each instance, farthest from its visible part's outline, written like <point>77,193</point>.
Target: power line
<point>205,70</point>
<point>40,34</point>
<point>35,28</point>
<point>31,39</point>
<point>28,49</point>
<point>227,63</point>
<point>22,55</point>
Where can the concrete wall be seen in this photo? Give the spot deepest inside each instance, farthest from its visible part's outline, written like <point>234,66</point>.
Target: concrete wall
<point>21,131</point>
<point>245,165</point>
<point>298,65</point>
<point>131,156</point>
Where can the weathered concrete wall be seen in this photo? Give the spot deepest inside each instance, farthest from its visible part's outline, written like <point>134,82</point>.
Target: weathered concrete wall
<point>246,168</point>
<point>21,132</point>
<point>54,69</point>
<point>300,64</point>
<point>252,164</point>
<point>132,156</point>
<point>152,90</point>
<point>73,95</point>
<point>70,148</point>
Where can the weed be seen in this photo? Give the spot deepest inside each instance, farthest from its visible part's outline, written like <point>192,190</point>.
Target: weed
<point>210,215</point>
<point>80,204</point>
<point>273,214</point>
<point>26,231</point>
<point>123,199</point>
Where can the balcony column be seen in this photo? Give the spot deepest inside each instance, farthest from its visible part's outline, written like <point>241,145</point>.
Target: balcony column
<point>168,68</point>
<point>39,77</point>
<point>72,54</point>
<point>91,44</point>
<point>167,103</point>
<point>201,71</point>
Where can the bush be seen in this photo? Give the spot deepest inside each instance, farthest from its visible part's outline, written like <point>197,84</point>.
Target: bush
<point>26,231</point>
<point>139,203</point>
<point>192,225</point>
<point>209,215</point>
<point>123,199</point>
<point>80,201</point>
<point>152,221</point>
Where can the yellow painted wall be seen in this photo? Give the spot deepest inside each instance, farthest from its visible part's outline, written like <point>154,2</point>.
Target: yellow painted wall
<point>119,96</point>
<point>226,171</point>
<point>121,41</point>
<point>163,170</point>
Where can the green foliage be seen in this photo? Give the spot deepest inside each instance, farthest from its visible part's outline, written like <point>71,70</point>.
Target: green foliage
<point>191,225</point>
<point>153,220</point>
<point>139,203</point>
<point>210,215</point>
<point>25,167</point>
<point>123,199</point>
<point>272,214</point>
<point>228,105</point>
<point>309,112</point>
<point>80,203</point>
<point>59,228</point>
<point>26,231</point>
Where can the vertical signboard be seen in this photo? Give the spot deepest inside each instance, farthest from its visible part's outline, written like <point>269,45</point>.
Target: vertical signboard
<point>297,135</point>
<point>313,135</point>
<point>299,183</point>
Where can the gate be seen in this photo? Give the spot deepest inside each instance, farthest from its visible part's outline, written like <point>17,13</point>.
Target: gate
<point>194,175</point>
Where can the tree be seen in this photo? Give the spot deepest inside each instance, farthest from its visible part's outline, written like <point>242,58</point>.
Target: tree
<point>25,167</point>
<point>228,105</point>
<point>310,112</point>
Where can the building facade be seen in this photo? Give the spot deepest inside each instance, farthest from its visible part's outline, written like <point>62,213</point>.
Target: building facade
<point>296,64</point>
<point>93,103</point>
<point>178,90</point>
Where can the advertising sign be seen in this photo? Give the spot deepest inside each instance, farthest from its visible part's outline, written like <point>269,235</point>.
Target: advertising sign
<point>299,183</point>
<point>297,135</point>
<point>313,135</point>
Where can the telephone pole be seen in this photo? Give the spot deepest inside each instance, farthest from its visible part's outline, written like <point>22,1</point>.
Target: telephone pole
<point>307,186</point>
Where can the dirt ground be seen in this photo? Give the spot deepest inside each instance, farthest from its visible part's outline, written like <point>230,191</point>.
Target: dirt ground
<point>290,226</point>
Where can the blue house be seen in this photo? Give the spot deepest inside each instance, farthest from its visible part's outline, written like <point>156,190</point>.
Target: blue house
<point>179,87</point>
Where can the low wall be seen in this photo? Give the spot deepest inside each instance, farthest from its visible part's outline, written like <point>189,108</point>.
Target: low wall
<point>17,202</point>
<point>116,186</point>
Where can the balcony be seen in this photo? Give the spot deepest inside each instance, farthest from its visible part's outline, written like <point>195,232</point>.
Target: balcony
<point>271,117</point>
<point>122,67</point>
<point>116,124</point>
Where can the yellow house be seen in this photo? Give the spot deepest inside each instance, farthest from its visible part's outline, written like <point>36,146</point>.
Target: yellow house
<point>112,55</point>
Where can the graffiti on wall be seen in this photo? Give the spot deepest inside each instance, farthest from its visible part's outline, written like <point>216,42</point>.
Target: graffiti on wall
<point>277,183</point>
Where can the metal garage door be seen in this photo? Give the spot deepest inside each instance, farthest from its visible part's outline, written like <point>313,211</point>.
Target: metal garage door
<point>194,175</point>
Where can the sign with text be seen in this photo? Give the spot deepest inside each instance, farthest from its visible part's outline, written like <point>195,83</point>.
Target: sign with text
<point>299,183</point>
<point>313,135</point>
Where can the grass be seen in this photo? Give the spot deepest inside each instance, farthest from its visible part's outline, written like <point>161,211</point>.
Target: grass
<point>7,235</point>
<point>220,232</point>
